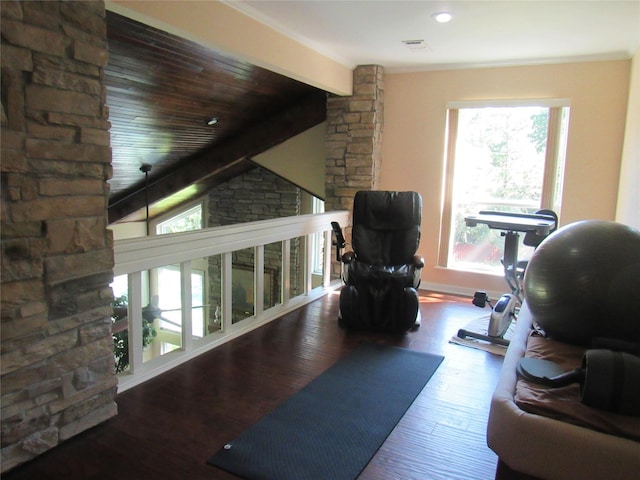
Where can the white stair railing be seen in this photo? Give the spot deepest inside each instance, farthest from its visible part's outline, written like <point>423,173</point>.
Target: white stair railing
<point>136,257</point>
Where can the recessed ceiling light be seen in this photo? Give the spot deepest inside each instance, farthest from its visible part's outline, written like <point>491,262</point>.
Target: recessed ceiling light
<point>212,122</point>
<point>442,17</point>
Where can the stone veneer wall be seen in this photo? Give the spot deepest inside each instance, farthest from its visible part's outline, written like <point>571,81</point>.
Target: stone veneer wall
<point>354,142</point>
<point>57,254</point>
<point>256,195</point>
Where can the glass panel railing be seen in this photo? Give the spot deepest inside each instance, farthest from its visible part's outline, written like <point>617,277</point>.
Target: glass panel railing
<point>317,259</point>
<point>272,275</point>
<point>164,311</point>
<point>213,312</point>
<point>242,285</point>
<point>120,323</point>
<point>296,268</point>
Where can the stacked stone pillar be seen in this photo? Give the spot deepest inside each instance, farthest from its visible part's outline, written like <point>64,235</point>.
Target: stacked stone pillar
<point>354,141</point>
<point>57,365</point>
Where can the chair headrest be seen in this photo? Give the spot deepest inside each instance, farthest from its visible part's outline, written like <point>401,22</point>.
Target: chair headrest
<point>386,210</point>
<point>386,226</point>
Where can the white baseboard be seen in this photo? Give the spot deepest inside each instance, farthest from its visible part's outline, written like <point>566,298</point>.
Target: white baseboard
<point>455,290</point>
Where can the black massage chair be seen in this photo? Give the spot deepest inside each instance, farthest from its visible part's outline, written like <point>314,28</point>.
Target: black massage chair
<point>382,272</point>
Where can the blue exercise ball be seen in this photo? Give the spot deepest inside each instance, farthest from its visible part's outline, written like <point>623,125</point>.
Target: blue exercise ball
<point>582,283</point>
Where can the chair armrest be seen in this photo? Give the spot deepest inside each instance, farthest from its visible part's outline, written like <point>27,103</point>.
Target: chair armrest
<point>418,261</point>
<point>348,257</point>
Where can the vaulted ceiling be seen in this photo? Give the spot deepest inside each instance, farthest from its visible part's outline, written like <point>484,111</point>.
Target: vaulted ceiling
<point>162,93</point>
<point>162,89</point>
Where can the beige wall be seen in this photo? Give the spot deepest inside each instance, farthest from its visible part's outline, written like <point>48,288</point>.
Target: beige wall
<point>300,159</point>
<point>414,136</point>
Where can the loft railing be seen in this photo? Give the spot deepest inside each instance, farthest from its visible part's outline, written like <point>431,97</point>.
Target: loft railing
<point>139,258</point>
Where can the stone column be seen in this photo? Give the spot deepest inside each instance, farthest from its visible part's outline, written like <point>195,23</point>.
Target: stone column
<point>57,362</point>
<point>354,141</point>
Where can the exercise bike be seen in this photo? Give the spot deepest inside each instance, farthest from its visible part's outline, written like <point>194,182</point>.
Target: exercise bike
<point>536,228</point>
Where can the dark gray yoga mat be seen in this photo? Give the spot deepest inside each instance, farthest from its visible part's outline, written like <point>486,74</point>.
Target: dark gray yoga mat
<point>332,428</point>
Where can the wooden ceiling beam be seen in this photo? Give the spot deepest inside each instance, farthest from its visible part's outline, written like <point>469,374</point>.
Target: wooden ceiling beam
<point>227,155</point>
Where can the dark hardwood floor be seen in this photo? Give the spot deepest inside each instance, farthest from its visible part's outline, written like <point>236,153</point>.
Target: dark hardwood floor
<point>167,427</point>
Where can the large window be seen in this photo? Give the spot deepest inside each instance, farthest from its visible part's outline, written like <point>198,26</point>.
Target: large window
<point>502,157</point>
<point>185,221</point>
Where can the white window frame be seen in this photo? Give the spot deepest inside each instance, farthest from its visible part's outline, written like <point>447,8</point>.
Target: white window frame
<point>554,156</point>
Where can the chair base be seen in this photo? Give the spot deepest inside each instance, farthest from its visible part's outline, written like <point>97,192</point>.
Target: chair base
<point>395,312</point>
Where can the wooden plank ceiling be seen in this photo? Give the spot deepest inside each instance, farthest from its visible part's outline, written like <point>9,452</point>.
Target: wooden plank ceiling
<point>162,91</point>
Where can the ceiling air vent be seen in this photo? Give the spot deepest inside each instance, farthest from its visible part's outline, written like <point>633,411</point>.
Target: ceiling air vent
<point>415,44</point>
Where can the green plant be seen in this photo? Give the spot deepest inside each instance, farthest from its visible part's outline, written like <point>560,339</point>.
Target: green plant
<point>121,338</point>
